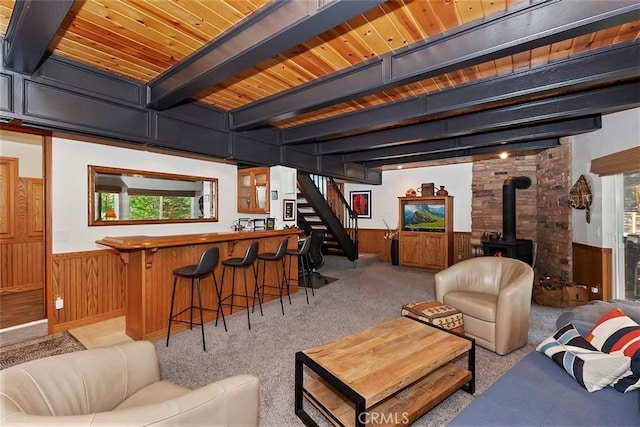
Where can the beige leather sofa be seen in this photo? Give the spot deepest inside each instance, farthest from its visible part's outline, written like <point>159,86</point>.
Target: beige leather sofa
<point>119,386</point>
<point>494,296</point>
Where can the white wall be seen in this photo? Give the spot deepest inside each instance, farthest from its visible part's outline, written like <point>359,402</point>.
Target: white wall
<point>620,131</point>
<point>70,192</point>
<point>27,148</point>
<point>384,198</point>
<point>282,180</point>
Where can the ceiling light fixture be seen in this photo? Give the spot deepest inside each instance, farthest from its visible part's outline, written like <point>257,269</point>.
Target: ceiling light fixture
<point>399,167</point>
<point>504,155</point>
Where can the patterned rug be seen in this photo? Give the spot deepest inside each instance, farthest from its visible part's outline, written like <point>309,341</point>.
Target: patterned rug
<point>38,348</point>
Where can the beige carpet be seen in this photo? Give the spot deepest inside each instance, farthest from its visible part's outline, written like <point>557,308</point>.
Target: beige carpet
<point>38,348</point>
<point>360,298</point>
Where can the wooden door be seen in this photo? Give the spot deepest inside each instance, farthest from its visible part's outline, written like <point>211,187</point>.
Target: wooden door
<point>435,252</point>
<point>411,250</point>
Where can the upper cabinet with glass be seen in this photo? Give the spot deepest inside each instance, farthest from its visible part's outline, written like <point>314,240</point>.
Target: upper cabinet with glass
<point>125,196</point>
<point>253,190</point>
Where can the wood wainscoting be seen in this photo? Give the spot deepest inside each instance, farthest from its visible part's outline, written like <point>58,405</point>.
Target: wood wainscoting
<point>92,285</point>
<point>461,246</point>
<point>592,266</point>
<point>372,241</point>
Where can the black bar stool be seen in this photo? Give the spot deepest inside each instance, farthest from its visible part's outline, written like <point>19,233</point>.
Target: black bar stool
<point>304,265</point>
<point>277,258</point>
<point>205,266</point>
<point>243,263</point>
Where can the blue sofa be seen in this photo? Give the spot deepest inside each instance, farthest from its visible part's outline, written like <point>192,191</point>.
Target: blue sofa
<point>538,392</point>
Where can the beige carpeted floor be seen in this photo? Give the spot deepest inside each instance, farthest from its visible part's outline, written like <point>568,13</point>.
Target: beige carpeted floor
<point>359,299</point>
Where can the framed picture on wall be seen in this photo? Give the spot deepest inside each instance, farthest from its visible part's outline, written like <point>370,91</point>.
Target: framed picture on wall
<point>361,203</point>
<point>289,210</point>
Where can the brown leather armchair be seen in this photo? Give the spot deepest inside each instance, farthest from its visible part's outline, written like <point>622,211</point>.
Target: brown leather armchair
<point>494,296</point>
<point>119,386</point>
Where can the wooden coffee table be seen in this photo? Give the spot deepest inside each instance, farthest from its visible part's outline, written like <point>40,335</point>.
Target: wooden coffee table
<point>390,374</point>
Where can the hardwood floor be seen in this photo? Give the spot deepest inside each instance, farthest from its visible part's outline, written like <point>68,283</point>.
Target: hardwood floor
<point>102,334</point>
<point>21,307</point>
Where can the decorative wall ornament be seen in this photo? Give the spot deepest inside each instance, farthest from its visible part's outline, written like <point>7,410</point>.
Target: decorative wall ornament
<point>580,196</point>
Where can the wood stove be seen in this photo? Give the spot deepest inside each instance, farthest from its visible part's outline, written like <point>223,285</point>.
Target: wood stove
<point>520,249</point>
<point>509,246</point>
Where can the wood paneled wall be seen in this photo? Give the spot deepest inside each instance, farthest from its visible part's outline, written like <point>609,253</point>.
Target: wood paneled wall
<point>592,266</point>
<point>21,266</point>
<point>92,285</point>
<point>461,246</point>
<point>372,241</point>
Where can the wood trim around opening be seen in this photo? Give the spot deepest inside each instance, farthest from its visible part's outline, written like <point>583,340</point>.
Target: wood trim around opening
<point>620,162</point>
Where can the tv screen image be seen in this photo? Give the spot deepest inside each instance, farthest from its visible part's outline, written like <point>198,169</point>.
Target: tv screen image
<point>425,217</point>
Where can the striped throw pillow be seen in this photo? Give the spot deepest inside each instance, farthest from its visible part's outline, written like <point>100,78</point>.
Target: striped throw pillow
<point>592,369</point>
<point>616,333</point>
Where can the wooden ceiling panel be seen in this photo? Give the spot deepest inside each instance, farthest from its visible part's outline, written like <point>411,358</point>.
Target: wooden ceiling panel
<point>141,39</point>
<point>152,35</point>
<point>538,56</point>
<point>381,30</point>
<point>6,7</point>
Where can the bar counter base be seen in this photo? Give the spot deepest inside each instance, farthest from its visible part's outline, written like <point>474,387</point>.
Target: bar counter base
<point>150,261</point>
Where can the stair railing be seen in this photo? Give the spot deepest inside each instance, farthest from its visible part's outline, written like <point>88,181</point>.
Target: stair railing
<point>343,211</point>
<point>339,205</point>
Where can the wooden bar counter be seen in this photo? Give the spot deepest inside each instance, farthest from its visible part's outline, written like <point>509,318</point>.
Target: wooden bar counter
<point>150,261</point>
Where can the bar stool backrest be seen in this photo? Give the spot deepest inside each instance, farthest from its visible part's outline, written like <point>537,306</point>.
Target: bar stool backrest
<point>251,255</point>
<point>306,245</point>
<point>208,262</point>
<point>282,249</point>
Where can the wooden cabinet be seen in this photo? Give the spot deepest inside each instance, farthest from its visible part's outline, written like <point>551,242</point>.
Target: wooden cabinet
<point>426,236</point>
<point>253,190</point>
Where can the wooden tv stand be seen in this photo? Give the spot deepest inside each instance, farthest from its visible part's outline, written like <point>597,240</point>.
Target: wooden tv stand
<point>424,247</point>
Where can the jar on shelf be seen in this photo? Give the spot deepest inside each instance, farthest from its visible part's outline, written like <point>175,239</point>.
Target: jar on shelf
<point>442,191</point>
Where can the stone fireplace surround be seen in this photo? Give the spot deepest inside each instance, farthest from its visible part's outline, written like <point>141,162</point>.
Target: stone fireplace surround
<point>543,213</point>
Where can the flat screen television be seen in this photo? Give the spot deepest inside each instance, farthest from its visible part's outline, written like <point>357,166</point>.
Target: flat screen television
<point>424,217</point>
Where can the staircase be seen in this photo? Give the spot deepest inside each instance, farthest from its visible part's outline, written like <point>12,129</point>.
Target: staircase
<point>322,206</point>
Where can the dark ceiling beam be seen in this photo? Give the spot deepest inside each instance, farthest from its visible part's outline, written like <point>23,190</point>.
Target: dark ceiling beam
<point>516,31</point>
<point>32,26</point>
<point>513,147</point>
<point>266,33</point>
<point>603,100</point>
<point>579,72</point>
<point>528,133</point>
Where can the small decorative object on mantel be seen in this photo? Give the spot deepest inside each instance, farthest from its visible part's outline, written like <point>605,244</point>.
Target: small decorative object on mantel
<point>427,189</point>
<point>442,191</point>
<point>410,193</point>
<point>580,196</point>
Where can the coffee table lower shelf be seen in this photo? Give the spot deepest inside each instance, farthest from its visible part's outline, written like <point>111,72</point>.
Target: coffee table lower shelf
<point>402,408</point>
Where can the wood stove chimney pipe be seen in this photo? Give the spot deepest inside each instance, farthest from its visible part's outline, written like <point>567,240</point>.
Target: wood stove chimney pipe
<point>509,205</point>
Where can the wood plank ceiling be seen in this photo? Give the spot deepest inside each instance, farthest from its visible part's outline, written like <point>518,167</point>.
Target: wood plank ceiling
<point>142,39</point>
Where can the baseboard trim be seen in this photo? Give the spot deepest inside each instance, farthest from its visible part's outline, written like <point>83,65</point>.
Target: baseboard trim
<point>23,332</point>
<point>23,325</point>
